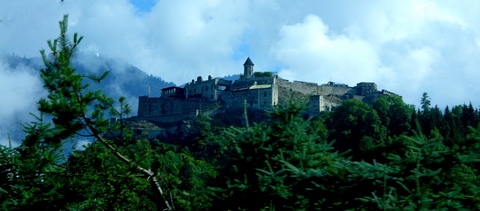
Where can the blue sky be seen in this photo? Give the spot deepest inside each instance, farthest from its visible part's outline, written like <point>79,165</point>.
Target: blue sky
<point>405,46</point>
<point>143,5</point>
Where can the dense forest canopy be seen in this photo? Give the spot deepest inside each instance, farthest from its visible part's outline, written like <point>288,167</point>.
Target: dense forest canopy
<point>390,156</point>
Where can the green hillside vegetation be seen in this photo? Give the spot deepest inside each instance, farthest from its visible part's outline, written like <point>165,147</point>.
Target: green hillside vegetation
<point>386,157</point>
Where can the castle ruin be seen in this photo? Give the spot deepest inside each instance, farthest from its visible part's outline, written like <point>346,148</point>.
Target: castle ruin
<point>261,91</point>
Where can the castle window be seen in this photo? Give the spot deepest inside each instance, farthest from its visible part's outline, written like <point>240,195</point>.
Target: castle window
<point>264,94</point>
<point>206,88</point>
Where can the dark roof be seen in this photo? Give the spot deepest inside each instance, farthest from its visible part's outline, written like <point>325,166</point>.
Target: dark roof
<point>248,62</point>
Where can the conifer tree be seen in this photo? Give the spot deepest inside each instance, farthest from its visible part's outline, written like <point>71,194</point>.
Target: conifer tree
<point>257,179</point>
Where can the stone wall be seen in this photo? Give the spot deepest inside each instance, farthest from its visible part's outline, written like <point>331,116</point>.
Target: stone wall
<point>365,88</point>
<point>170,108</point>
<point>319,103</point>
<point>256,99</point>
<point>305,88</point>
<point>336,89</point>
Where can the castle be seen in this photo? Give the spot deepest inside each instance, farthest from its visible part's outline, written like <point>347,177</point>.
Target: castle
<point>260,90</point>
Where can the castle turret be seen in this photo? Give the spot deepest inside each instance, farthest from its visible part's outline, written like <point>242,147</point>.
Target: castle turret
<point>248,68</point>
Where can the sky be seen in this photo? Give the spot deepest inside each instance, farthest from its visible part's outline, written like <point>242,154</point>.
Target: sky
<point>407,47</point>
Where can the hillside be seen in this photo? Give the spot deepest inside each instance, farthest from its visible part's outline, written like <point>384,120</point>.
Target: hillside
<point>124,79</point>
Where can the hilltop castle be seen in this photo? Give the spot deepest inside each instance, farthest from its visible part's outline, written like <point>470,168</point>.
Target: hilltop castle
<point>261,90</point>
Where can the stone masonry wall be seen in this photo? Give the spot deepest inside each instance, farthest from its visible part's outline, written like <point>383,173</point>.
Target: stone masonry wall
<point>256,99</point>
<point>164,107</point>
<point>305,88</point>
<point>319,103</point>
<point>339,90</point>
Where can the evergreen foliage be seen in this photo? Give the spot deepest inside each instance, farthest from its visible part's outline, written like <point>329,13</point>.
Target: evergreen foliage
<point>262,74</point>
<point>259,155</point>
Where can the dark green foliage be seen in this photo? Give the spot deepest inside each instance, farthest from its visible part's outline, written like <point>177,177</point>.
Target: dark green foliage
<point>356,126</point>
<point>425,102</point>
<point>99,181</point>
<point>285,164</point>
<point>31,169</point>
<point>432,176</point>
<point>185,176</point>
<point>262,74</point>
<point>394,114</point>
<point>259,155</point>
<point>452,125</point>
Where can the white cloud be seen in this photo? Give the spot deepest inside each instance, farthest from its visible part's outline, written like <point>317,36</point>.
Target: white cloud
<point>312,52</point>
<point>81,144</point>
<point>20,88</point>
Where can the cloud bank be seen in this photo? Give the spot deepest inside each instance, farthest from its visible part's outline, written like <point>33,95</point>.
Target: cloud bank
<point>19,90</point>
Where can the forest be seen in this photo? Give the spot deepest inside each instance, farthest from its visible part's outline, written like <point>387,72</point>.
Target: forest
<point>389,156</point>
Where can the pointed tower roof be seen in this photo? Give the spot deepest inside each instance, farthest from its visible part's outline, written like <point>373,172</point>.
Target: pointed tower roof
<point>248,62</point>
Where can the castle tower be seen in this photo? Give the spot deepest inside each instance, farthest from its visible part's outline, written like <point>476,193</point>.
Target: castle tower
<point>248,68</point>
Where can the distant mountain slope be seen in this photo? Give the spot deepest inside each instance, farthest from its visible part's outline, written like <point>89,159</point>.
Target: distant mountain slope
<point>124,79</point>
